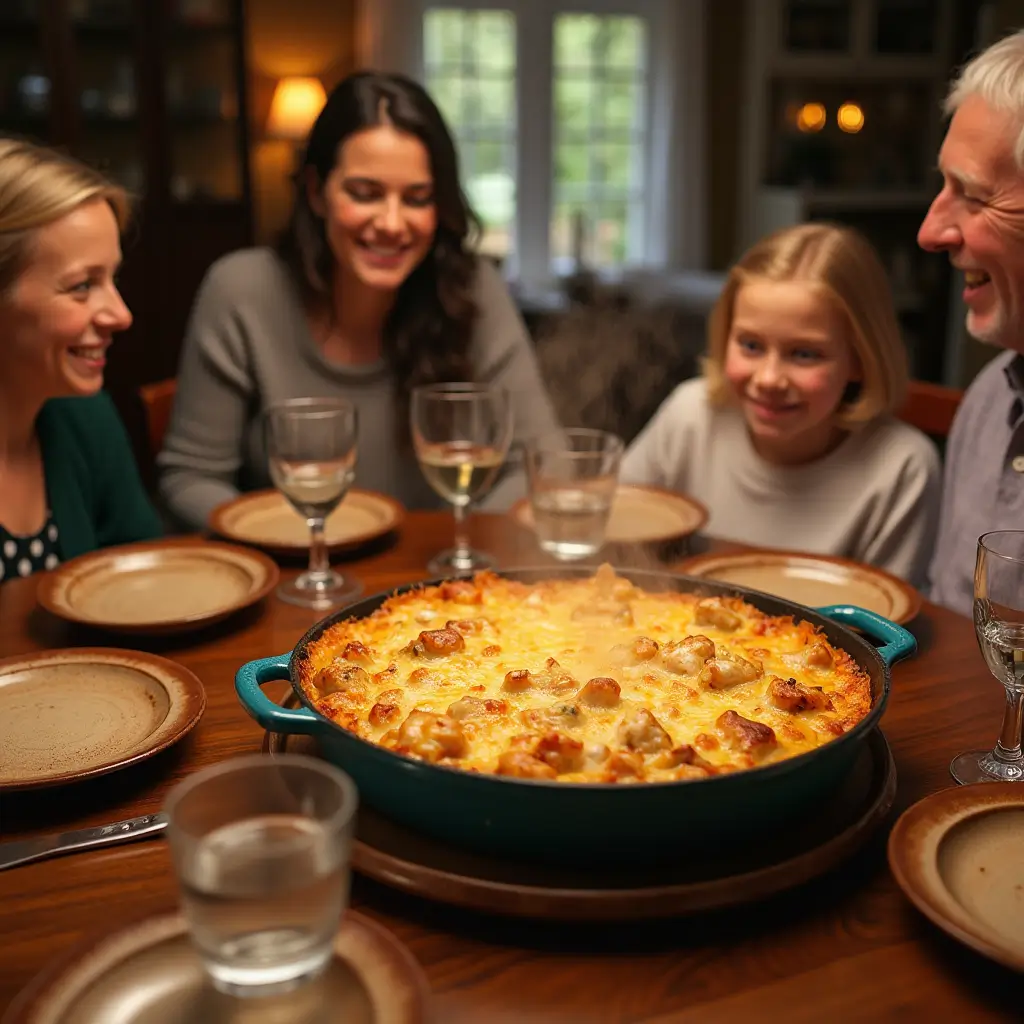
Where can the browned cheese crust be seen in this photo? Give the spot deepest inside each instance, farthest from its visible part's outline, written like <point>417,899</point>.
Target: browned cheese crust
<point>583,680</point>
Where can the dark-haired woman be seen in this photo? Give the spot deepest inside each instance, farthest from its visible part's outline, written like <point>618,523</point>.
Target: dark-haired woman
<point>371,291</point>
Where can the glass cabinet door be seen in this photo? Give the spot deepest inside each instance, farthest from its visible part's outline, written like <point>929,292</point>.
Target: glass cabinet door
<point>26,87</point>
<point>105,38</point>
<point>206,146</point>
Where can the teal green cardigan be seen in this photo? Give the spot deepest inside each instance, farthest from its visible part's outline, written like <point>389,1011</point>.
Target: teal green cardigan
<point>92,483</point>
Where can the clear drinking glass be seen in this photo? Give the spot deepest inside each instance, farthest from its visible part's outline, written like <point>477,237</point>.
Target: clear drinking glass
<point>572,478</point>
<point>312,449</point>
<point>261,848</point>
<point>999,625</point>
<point>461,433</point>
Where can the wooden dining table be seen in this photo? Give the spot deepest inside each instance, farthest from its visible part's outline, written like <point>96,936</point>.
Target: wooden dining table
<point>847,946</point>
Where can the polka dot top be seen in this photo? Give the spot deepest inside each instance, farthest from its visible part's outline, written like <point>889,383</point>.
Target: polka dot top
<point>22,556</point>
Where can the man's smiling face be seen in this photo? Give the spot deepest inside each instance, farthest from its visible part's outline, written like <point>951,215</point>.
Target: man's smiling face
<point>978,219</point>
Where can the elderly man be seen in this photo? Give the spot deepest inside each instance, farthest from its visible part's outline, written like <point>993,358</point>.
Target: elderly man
<point>978,219</point>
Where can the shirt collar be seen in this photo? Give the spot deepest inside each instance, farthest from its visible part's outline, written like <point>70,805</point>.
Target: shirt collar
<point>1014,371</point>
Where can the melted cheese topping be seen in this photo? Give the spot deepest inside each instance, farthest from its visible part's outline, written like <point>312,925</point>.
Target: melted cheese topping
<point>586,680</point>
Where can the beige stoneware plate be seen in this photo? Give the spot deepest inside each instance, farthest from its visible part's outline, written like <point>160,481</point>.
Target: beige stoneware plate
<point>813,580</point>
<point>266,520</point>
<point>640,515</point>
<point>148,973</point>
<point>959,857</point>
<point>158,587</point>
<point>83,711</point>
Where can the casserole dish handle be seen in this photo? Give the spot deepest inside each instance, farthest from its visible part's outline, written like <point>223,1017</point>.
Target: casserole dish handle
<point>899,642</point>
<point>250,679</point>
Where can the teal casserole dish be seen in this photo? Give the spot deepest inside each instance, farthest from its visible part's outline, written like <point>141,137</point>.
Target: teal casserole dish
<point>563,822</point>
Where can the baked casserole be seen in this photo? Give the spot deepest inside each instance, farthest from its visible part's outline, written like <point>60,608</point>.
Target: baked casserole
<point>583,680</point>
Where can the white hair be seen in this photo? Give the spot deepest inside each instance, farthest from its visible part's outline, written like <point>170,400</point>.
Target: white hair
<point>996,75</point>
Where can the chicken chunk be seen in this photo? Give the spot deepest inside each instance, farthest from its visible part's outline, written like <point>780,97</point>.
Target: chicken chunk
<point>789,695</point>
<point>384,713</point>
<point>461,592</point>
<point>476,707</point>
<point>728,670</point>
<point>711,611</point>
<point>518,680</point>
<point>342,678</point>
<point>682,755</point>
<point>686,657</point>
<point>436,643</point>
<point>554,678</point>
<point>742,734</point>
<point>430,737</point>
<point>812,656</point>
<point>640,730</point>
<point>558,716</point>
<point>636,652</point>
<point>600,692</point>
<point>521,764</point>
<point>358,653</point>
<point>562,752</point>
<point>624,764</point>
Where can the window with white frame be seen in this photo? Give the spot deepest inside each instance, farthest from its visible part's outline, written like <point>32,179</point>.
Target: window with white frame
<point>579,122</point>
<point>469,66</point>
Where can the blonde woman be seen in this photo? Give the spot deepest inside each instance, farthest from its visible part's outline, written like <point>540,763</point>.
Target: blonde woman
<point>789,437</point>
<point>68,483</point>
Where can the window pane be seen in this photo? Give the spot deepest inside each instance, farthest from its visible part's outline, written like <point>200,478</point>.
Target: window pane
<point>600,137</point>
<point>469,58</point>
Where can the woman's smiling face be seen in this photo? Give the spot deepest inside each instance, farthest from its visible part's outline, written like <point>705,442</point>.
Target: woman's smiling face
<point>789,358</point>
<point>63,309</point>
<point>378,206</point>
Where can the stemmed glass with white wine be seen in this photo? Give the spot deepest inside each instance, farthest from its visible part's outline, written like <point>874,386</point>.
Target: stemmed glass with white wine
<point>461,433</point>
<point>312,449</point>
<point>999,625</point>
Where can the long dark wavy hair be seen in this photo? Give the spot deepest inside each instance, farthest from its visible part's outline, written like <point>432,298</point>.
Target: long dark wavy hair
<point>427,332</point>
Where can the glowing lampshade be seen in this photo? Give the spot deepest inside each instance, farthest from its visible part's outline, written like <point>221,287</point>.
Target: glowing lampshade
<point>294,108</point>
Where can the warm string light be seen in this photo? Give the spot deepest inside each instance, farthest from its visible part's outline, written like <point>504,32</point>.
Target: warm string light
<point>812,117</point>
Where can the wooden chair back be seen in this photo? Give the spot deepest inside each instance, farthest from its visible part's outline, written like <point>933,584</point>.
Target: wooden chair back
<point>158,401</point>
<point>931,407</point>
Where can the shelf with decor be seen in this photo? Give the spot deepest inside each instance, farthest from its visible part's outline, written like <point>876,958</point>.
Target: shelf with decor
<point>843,122</point>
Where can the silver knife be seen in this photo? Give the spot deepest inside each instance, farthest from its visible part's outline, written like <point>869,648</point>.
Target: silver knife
<point>24,850</point>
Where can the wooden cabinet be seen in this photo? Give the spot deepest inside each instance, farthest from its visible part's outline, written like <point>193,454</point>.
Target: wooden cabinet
<point>843,122</point>
<point>153,93</point>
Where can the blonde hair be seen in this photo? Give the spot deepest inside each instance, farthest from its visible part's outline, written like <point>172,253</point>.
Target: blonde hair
<point>996,75</point>
<point>38,186</point>
<point>839,264</point>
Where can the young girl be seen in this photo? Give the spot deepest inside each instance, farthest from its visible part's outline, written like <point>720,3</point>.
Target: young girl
<point>789,438</point>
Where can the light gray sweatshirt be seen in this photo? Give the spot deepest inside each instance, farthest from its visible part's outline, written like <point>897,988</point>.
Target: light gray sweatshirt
<point>875,498</point>
<point>248,345</point>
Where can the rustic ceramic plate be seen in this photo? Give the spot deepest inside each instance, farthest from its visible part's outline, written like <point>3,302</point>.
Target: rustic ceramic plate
<point>266,520</point>
<point>813,580</point>
<point>959,857</point>
<point>84,711</point>
<point>148,973</point>
<point>157,587</point>
<point>640,515</point>
<point>405,860</point>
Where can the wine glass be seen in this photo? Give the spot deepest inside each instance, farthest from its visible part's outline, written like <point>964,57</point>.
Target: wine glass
<point>461,433</point>
<point>999,625</point>
<point>311,447</point>
<point>572,478</point>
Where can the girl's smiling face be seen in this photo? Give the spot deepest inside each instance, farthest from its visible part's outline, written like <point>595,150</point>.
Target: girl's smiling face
<point>789,358</point>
